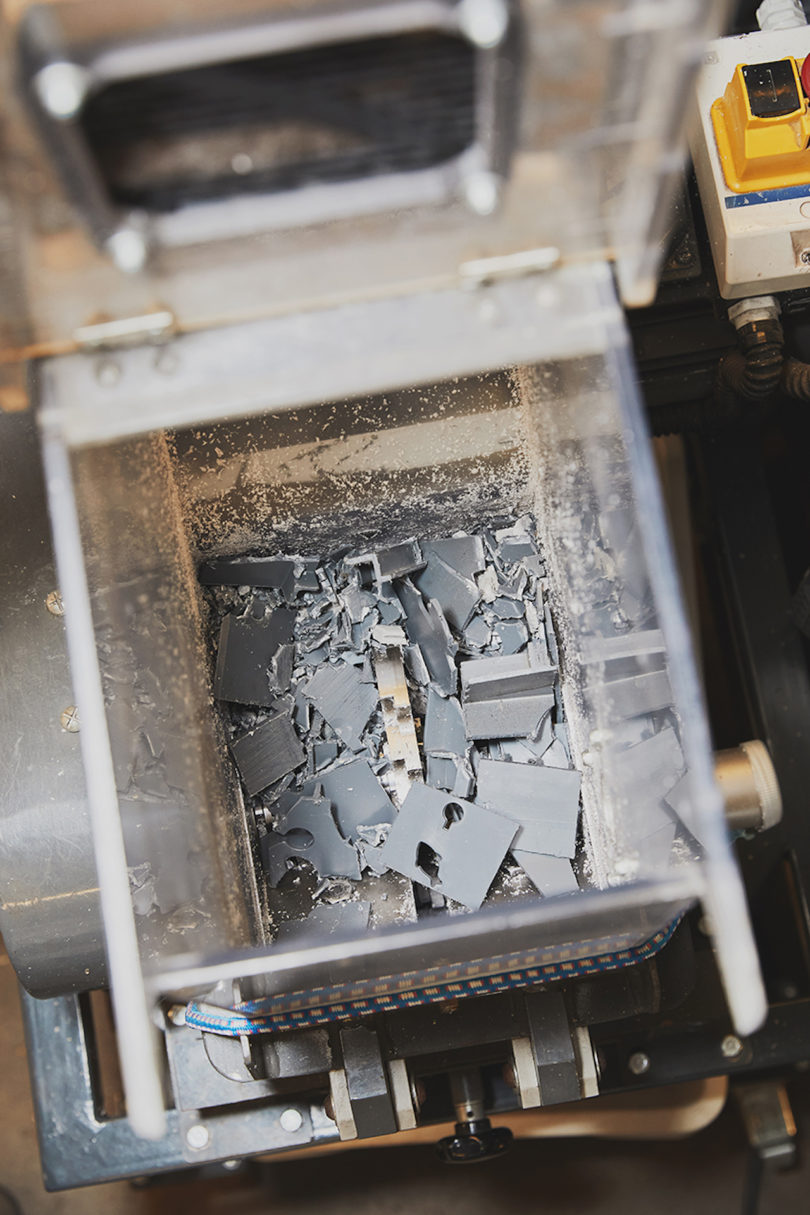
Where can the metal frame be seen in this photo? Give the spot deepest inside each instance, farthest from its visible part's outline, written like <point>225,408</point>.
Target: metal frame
<point>78,1146</point>
<point>58,81</point>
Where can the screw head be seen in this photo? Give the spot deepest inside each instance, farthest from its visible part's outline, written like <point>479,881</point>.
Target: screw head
<point>805,257</point>
<point>482,191</point>
<point>127,247</point>
<point>731,1047</point>
<point>242,163</point>
<point>484,22</point>
<point>639,1063</point>
<point>69,719</point>
<point>54,603</point>
<point>291,1120</point>
<point>61,89</point>
<point>197,1137</point>
<point>108,373</point>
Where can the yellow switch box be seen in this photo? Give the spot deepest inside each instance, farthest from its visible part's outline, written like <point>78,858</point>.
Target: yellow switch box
<point>762,127</point>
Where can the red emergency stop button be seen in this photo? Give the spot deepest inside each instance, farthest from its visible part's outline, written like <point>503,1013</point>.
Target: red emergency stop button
<point>805,76</point>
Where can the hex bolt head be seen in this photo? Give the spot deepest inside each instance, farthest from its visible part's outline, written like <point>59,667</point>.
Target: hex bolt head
<point>197,1137</point>
<point>61,89</point>
<point>731,1047</point>
<point>69,719</point>
<point>482,191</point>
<point>639,1063</point>
<point>128,249</point>
<point>54,603</point>
<point>483,22</point>
<point>291,1120</point>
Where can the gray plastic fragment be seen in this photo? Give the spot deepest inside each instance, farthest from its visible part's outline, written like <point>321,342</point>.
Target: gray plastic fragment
<point>655,850</point>
<point>513,586</point>
<point>534,565</point>
<point>327,920</point>
<point>488,584</point>
<point>464,554</point>
<point>457,596</point>
<point>544,802</point>
<point>625,645</point>
<point>415,665</point>
<point>254,659</point>
<point>556,756</point>
<point>477,633</point>
<point>394,561</point>
<point>639,694</point>
<point>324,754</point>
<point>359,604</point>
<point>509,675</point>
<point>306,576</point>
<point>679,799</point>
<point>464,785</point>
<point>276,573</point>
<point>656,763</point>
<point>508,609</point>
<point>427,628</point>
<point>452,846</point>
<point>361,633</point>
<point>512,634</point>
<point>513,548</point>
<point>390,611</point>
<point>385,635</point>
<point>357,796</point>
<point>444,732</point>
<point>549,874</point>
<point>519,751</point>
<point>508,717</point>
<point>345,700</point>
<point>397,560</point>
<point>308,832</point>
<point>551,636</point>
<point>441,772</point>
<point>315,658</point>
<point>268,752</point>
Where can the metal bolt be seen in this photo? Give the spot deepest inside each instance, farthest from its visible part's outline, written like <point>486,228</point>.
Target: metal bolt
<point>805,257</point>
<point>108,373</point>
<point>291,1120</point>
<point>484,22</point>
<point>731,1046</point>
<point>54,603</point>
<point>482,190</point>
<point>242,163</point>
<point>127,247</point>
<point>69,719</point>
<point>639,1063</point>
<point>61,89</point>
<point>197,1137</point>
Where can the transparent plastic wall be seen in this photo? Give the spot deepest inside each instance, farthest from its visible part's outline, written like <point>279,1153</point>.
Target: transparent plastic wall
<point>131,517</point>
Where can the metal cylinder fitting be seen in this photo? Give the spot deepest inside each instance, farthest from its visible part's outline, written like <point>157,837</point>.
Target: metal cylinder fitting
<point>749,785</point>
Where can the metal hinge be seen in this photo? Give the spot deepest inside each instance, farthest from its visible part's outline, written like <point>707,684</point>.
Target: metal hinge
<point>509,265</point>
<point>126,331</point>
